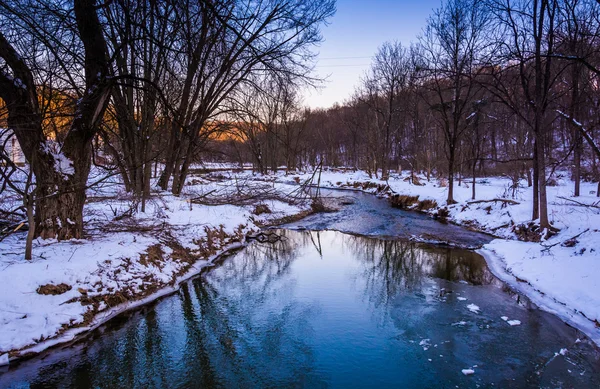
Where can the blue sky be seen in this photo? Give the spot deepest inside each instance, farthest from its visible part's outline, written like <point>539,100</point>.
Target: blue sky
<point>355,32</point>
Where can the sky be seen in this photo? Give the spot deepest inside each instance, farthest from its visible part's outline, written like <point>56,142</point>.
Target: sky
<point>352,38</point>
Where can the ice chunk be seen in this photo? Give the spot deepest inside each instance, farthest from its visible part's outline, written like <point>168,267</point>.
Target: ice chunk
<point>505,318</point>
<point>473,308</point>
<point>461,298</point>
<point>514,322</point>
<point>563,351</point>
<point>468,371</point>
<point>4,359</point>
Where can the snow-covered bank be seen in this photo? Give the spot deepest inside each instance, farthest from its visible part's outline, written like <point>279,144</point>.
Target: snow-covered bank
<point>125,261</point>
<point>561,274</point>
<point>562,305</point>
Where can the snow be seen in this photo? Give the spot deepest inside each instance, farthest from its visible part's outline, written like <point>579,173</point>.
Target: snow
<point>3,359</point>
<point>61,162</point>
<point>109,263</point>
<point>559,279</point>
<point>514,322</point>
<point>461,298</point>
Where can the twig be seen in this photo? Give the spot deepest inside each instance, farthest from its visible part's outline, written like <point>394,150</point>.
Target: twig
<point>547,247</point>
<point>593,205</point>
<point>508,201</point>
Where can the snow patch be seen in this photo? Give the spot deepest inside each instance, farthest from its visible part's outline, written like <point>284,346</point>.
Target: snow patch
<point>473,308</point>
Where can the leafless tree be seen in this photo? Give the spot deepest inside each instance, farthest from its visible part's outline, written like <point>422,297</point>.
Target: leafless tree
<point>454,46</point>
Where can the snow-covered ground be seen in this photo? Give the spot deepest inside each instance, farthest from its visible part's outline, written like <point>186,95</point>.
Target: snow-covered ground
<point>123,262</point>
<point>127,261</point>
<point>559,274</point>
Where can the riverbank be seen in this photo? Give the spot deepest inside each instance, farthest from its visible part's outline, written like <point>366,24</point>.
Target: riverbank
<point>128,258</point>
<point>560,271</point>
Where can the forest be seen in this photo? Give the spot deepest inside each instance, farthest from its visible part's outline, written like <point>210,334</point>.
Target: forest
<point>169,150</point>
<point>145,89</point>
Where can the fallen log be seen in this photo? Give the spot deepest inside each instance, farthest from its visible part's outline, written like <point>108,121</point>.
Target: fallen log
<point>506,201</point>
<point>264,237</point>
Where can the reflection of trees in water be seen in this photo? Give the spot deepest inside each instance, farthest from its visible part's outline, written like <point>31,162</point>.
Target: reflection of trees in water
<point>237,314</point>
<point>391,266</point>
<point>133,356</point>
<point>225,330</point>
<point>260,260</point>
<point>236,322</point>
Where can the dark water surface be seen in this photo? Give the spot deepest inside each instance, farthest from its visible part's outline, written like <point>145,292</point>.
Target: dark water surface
<point>369,215</point>
<point>327,309</point>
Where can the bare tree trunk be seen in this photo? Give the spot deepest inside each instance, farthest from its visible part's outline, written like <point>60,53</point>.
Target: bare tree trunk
<point>536,182</point>
<point>451,158</point>
<point>473,183</point>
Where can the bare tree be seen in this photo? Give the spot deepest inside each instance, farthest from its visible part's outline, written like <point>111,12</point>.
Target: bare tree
<point>454,45</point>
<point>382,87</point>
<point>224,44</point>
<point>60,175</point>
<point>531,26</point>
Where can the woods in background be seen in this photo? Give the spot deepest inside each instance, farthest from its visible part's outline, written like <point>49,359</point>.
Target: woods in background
<point>490,88</point>
<point>144,89</point>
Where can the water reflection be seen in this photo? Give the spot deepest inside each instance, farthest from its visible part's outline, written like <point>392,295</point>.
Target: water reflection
<point>325,309</point>
<point>396,264</point>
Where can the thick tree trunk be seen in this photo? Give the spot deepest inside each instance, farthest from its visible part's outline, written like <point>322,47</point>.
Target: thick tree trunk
<point>171,158</point>
<point>60,178</point>
<point>60,215</point>
<point>451,157</point>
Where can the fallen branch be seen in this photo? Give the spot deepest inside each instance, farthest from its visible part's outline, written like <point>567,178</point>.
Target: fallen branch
<point>595,205</point>
<point>264,237</point>
<point>507,201</point>
<point>565,242</point>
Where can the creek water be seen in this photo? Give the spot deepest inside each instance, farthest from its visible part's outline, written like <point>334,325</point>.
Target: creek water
<point>332,309</point>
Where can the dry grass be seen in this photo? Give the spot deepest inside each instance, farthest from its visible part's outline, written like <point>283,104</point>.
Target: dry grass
<point>403,201</point>
<point>50,289</point>
<point>261,209</point>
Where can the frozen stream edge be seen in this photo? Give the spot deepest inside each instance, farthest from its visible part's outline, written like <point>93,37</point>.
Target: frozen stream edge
<point>73,335</point>
<point>570,316</point>
<point>495,262</point>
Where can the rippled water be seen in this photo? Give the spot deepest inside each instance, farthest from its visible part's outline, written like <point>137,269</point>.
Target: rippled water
<point>369,215</point>
<point>327,309</point>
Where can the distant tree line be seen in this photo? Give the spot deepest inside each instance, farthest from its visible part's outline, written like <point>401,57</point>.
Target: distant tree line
<point>143,89</point>
<point>504,87</point>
